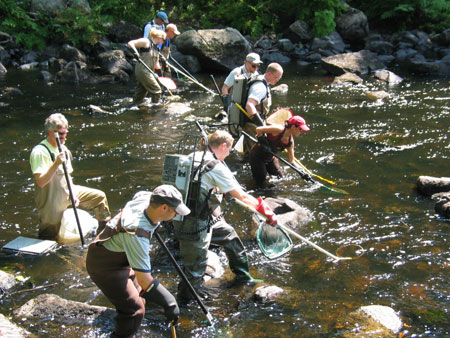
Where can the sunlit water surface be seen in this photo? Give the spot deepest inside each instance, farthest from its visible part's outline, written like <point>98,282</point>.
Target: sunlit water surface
<point>373,150</point>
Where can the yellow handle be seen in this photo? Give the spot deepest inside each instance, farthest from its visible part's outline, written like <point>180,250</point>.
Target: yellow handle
<point>309,172</point>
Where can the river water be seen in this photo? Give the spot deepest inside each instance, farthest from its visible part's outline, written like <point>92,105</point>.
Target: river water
<point>375,151</point>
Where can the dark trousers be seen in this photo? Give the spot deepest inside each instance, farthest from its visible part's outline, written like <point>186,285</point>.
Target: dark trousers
<point>111,272</point>
<point>261,167</point>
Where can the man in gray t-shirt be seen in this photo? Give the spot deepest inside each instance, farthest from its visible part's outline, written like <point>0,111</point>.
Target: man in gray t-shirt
<point>118,261</point>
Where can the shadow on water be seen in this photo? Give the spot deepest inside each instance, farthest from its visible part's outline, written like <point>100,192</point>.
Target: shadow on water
<point>378,149</point>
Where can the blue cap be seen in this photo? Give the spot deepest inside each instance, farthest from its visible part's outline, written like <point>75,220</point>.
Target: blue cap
<point>163,16</point>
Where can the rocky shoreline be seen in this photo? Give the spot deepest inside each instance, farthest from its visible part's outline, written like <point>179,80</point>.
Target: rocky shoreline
<point>220,50</point>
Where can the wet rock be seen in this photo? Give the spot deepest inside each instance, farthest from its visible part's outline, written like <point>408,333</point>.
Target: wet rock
<point>289,213</point>
<point>361,62</point>
<point>378,95</point>
<point>49,307</point>
<point>214,267</point>
<point>428,185</point>
<point>353,26</point>
<point>175,108</point>
<point>5,58</point>
<point>388,76</point>
<point>29,66</point>
<point>96,110</point>
<point>2,68</point>
<point>286,45</point>
<point>46,76</point>
<point>29,57</point>
<point>347,78</point>
<point>442,205</point>
<point>71,53</point>
<point>299,31</point>
<point>10,330</point>
<point>281,89</point>
<point>216,49</point>
<point>11,91</point>
<point>113,61</point>
<point>276,57</point>
<point>373,321</point>
<point>7,280</point>
<point>267,293</point>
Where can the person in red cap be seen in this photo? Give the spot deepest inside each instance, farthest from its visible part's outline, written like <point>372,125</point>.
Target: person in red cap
<point>279,137</point>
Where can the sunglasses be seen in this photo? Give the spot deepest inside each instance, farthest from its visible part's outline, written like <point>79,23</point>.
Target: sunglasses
<point>253,65</point>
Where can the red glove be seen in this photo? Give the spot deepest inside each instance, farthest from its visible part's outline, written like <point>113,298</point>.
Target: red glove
<point>265,210</point>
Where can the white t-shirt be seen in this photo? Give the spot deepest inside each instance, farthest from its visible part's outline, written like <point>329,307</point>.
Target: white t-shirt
<point>229,81</point>
<point>258,91</point>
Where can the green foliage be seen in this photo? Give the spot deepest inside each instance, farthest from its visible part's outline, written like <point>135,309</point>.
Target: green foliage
<point>27,29</point>
<point>323,23</point>
<point>398,15</point>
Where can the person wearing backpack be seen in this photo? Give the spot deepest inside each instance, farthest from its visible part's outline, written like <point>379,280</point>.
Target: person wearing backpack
<point>158,22</point>
<point>118,260</point>
<point>206,225</point>
<point>51,190</point>
<point>259,101</point>
<point>248,69</point>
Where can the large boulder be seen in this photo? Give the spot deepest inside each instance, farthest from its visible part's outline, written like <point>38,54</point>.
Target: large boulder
<point>289,213</point>
<point>361,62</point>
<point>216,49</point>
<point>70,53</point>
<point>442,205</point>
<point>54,308</point>
<point>113,61</point>
<point>299,31</point>
<point>353,26</point>
<point>124,32</point>
<point>428,185</point>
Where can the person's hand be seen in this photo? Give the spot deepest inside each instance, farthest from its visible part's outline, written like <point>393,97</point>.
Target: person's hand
<point>61,158</point>
<point>266,211</point>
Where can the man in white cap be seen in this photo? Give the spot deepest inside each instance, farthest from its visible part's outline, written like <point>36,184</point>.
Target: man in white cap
<point>248,69</point>
<point>159,22</point>
<point>118,260</point>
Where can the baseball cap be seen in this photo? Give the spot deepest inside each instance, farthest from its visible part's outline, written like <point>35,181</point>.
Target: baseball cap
<point>172,27</point>
<point>170,195</point>
<point>298,121</point>
<point>253,58</point>
<point>163,16</point>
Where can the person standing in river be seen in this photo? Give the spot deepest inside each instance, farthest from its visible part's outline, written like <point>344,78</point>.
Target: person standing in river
<point>279,137</point>
<point>259,101</point>
<point>171,32</point>
<point>51,189</point>
<point>146,81</point>
<point>206,225</point>
<point>159,22</point>
<point>248,69</point>
<point>118,261</point>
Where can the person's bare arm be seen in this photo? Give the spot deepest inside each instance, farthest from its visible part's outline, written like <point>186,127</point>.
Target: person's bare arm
<point>43,179</point>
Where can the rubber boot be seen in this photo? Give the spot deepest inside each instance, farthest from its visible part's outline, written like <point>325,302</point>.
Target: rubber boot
<point>156,98</point>
<point>240,268</point>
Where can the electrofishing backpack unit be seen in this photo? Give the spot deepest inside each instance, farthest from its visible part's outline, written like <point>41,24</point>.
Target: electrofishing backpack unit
<point>241,87</point>
<point>184,173</point>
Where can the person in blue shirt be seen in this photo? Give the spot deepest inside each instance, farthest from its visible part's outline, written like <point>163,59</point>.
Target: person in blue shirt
<point>159,22</point>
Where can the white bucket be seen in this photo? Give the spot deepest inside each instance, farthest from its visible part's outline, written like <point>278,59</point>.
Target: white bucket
<point>69,229</point>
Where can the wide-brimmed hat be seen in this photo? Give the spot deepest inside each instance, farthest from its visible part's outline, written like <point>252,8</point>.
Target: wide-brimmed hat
<point>170,195</point>
<point>253,58</point>
<point>163,16</point>
<point>298,121</point>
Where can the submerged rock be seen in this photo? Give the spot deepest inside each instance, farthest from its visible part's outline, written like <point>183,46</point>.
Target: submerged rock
<point>373,321</point>
<point>267,293</point>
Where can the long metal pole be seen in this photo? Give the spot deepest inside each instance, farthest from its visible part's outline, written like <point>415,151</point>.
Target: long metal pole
<point>185,279</point>
<point>69,185</point>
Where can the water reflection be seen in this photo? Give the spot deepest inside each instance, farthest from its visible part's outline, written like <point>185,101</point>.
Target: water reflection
<point>374,149</point>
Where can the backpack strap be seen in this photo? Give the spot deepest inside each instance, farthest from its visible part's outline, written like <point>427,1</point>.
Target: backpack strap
<point>52,156</point>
